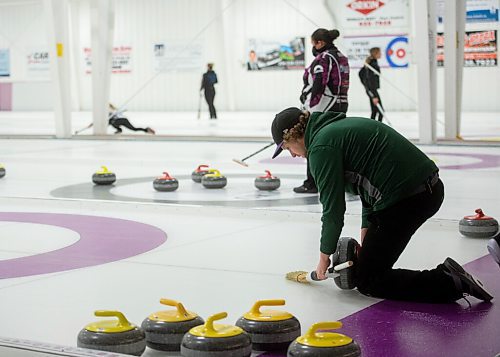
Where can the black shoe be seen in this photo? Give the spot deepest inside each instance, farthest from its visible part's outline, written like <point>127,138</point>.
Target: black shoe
<point>305,189</point>
<point>465,282</point>
<point>494,248</point>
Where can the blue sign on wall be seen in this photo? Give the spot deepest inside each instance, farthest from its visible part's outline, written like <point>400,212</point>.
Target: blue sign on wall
<point>4,63</point>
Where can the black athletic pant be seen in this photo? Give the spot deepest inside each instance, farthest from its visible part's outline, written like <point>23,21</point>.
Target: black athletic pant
<point>209,97</point>
<point>125,122</point>
<point>375,110</point>
<point>389,232</point>
<point>309,181</point>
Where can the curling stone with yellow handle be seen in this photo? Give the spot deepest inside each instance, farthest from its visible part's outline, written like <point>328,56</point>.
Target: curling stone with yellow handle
<point>165,329</point>
<point>268,182</point>
<point>199,172</point>
<point>165,183</point>
<point>269,330</point>
<point>119,336</point>
<point>214,179</point>
<point>103,177</point>
<point>320,343</point>
<point>216,340</point>
<point>2,171</point>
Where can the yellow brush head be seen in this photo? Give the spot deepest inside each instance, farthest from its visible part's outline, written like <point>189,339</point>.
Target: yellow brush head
<point>298,276</point>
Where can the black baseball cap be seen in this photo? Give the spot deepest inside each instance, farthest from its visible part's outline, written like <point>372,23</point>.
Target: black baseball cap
<point>284,120</point>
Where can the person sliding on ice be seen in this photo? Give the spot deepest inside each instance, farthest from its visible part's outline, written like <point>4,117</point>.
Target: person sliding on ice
<point>400,189</point>
<point>371,82</point>
<point>326,82</point>
<point>117,120</point>
<point>207,85</point>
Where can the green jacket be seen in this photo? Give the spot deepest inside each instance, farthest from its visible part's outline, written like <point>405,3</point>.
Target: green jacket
<point>363,157</point>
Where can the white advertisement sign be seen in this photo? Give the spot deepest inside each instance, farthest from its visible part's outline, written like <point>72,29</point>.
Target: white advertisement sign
<point>372,14</point>
<point>121,59</point>
<point>476,10</point>
<point>394,50</point>
<point>38,63</point>
<point>175,55</point>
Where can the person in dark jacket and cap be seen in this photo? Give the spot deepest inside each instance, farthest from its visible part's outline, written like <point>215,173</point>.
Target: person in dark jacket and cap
<point>399,187</point>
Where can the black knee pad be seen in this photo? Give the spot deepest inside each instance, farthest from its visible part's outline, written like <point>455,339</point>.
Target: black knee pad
<point>347,250</point>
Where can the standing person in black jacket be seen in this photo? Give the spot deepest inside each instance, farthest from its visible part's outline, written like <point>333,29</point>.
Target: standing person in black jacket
<point>371,82</point>
<point>207,84</point>
<point>326,83</point>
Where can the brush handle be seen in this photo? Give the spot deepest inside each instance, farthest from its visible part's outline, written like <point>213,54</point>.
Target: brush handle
<point>331,272</point>
<point>314,276</point>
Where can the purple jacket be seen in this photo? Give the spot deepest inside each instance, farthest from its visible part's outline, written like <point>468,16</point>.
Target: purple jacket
<point>326,81</point>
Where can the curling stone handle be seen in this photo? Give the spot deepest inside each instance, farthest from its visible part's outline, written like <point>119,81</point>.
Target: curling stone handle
<point>166,175</point>
<point>214,172</point>
<point>209,325</point>
<point>202,166</point>
<point>274,302</point>
<point>180,308</point>
<point>104,170</point>
<point>268,173</point>
<point>479,212</point>
<point>112,313</point>
<point>327,325</point>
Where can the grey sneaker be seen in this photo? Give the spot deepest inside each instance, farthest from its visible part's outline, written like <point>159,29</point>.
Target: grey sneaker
<point>465,282</point>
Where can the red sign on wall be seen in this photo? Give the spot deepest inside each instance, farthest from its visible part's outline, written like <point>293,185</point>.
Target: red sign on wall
<point>365,6</point>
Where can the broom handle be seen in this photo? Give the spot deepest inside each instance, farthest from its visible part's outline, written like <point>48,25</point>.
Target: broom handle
<point>255,153</point>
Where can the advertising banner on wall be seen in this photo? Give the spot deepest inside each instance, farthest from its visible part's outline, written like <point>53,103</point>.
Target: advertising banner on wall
<point>175,55</point>
<point>480,49</point>
<point>372,14</point>
<point>4,62</point>
<point>121,59</point>
<point>394,50</point>
<point>476,10</point>
<point>38,63</point>
<point>276,54</point>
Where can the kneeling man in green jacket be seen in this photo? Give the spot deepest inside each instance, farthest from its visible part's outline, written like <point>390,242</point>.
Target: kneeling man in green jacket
<point>399,187</point>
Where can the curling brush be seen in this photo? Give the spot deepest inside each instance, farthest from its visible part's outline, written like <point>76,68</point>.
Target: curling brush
<point>304,277</point>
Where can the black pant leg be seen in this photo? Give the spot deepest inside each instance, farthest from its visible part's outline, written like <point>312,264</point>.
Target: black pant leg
<point>373,108</point>
<point>309,181</point>
<point>380,115</point>
<point>388,234</point>
<point>127,124</point>
<point>209,97</point>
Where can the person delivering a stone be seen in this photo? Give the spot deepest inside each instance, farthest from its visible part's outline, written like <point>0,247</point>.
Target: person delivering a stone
<point>399,187</point>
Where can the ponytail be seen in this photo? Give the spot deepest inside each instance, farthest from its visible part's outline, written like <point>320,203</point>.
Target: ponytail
<point>327,36</point>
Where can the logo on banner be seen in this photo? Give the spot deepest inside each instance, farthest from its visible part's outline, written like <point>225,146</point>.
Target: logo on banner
<point>365,6</point>
<point>397,52</point>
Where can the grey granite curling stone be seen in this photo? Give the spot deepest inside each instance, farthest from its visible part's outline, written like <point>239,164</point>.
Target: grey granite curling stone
<point>214,179</point>
<point>269,330</point>
<point>478,226</point>
<point>267,182</point>
<point>103,177</point>
<point>320,343</point>
<point>214,340</point>
<point>165,183</point>
<point>199,172</point>
<point>165,329</point>
<point>119,336</point>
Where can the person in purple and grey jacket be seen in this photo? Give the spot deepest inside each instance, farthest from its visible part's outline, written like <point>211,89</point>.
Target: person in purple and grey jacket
<point>326,82</point>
